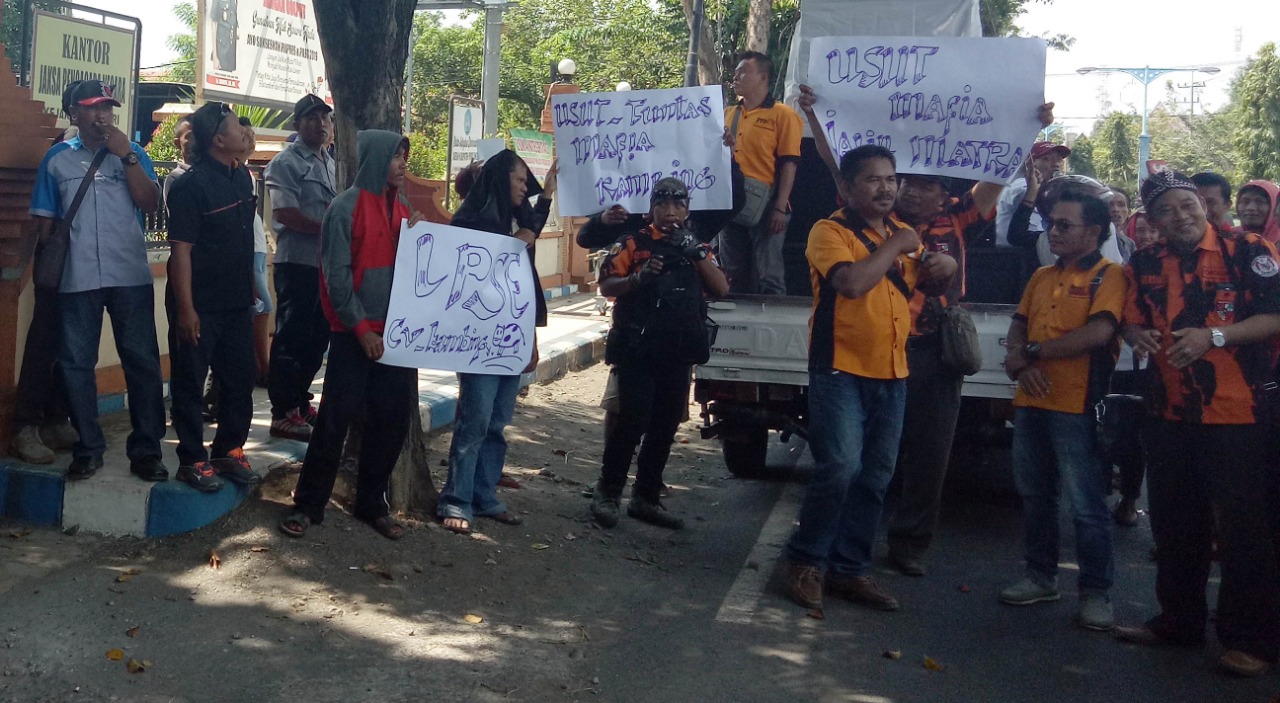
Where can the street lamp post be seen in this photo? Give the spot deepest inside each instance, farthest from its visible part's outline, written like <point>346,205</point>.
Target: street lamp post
<point>1145,75</point>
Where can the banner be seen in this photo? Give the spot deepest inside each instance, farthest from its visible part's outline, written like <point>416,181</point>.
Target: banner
<point>69,50</point>
<point>466,127</point>
<point>615,146</point>
<point>945,106</point>
<point>264,52</point>
<point>537,150</point>
<point>461,301</point>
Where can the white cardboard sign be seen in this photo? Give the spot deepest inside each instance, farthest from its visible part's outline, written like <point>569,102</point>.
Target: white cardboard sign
<point>461,301</point>
<point>945,106</point>
<point>613,147</point>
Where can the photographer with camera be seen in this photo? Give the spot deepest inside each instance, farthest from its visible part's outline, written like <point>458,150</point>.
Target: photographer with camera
<point>660,276</point>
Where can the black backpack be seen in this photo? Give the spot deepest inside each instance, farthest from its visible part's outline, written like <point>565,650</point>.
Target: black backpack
<point>665,321</point>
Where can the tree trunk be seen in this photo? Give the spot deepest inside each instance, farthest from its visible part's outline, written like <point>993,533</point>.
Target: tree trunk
<point>708,56</point>
<point>366,45</point>
<point>759,14</point>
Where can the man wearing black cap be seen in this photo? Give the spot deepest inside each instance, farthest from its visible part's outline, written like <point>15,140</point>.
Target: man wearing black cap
<point>302,182</point>
<point>106,268</point>
<point>1205,306</point>
<point>659,276</point>
<point>925,204</point>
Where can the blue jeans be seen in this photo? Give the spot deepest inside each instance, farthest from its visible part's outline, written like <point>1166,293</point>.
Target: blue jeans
<point>132,310</point>
<point>486,403</point>
<point>854,427</point>
<point>1057,452</point>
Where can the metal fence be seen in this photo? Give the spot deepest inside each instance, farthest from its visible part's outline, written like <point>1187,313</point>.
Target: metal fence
<point>156,225</point>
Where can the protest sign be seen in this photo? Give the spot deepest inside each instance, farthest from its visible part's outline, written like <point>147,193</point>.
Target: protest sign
<point>536,149</point>
<point>615,146</point>
<point>945,106</point>
<point>461,300</point>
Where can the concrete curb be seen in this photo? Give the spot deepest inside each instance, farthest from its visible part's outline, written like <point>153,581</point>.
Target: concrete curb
<point>116,503</point>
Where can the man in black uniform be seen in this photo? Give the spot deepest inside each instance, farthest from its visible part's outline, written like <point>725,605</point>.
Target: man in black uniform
<point>658,275</point>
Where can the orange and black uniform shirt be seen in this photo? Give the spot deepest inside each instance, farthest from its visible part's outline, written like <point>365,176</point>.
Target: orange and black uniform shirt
<point>865,336</point>
<point>946,235</point>
<point>1060,299</point>
<point>627,256</point>
<point>1225,280</point>
<point>768,136</point>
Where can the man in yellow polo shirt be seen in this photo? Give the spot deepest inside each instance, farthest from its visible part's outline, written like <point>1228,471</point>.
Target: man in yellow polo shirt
<point>1061,350</point>
<point>765,136</point>
<point>865,266</point>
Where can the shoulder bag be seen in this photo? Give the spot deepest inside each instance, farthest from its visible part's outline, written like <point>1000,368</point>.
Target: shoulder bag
<point>755,194</point>
<point>51,257</point>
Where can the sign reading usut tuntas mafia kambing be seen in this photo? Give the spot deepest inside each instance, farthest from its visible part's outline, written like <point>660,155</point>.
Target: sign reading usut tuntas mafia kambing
<point>68,49</point>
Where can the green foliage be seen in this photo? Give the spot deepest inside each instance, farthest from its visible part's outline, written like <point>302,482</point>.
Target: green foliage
<point>183,69</point>
<point>1082,157</point>
<point>1257,135</point>
<point>728,22</point>
<point>11,27</point>
<point>265,117</point>
<point>162,147</point>
<point>1000,19</point>
<point>428,154</point>
<point>1115,149</point>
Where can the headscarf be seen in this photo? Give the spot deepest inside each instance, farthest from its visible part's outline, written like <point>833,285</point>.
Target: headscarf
<point>1271,228</point>
<point>487,206</point>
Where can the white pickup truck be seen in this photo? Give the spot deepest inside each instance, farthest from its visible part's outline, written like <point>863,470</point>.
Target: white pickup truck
<point>757,377</point>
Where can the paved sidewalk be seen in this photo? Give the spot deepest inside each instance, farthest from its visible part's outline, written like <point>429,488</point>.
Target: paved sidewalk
<point>113,502</point>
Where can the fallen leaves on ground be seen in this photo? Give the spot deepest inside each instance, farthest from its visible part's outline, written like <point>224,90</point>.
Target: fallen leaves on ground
<point>375,569</point>
<point>541,545</point>
<point>215,561</point>
<point>473,618</point>
<point>258,549</point>
<point>931,664</point>
<point>115,655</point>
<point>127,576</point>
<point>136,667</point>
<point>894,654</point>
<point>19,534</point>
<point>133,631</point>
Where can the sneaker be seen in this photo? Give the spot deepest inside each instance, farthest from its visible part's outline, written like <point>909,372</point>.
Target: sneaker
<point>83,467</point>
<point>1243,664</point>
<point>28,446</point>
<point>652,512</point>
<point>149,468</point>
<point>292,426</point>
<point>236,469</point>
<point>1026,592</point>
<point>604,507</point>
<point>804,585</point>
<point>1095,611</point>
<point>59,436</point>
<point>201,477</point>
<point>906,565</point>
<point>861,589</point>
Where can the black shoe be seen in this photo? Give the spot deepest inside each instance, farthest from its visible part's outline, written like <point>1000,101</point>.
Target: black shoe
<point>652,512</point>
<point>83,467</point>
<point>604,508</point>
<point>149,468</point>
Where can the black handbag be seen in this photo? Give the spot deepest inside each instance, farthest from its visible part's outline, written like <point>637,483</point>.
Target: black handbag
<point>51,255</point>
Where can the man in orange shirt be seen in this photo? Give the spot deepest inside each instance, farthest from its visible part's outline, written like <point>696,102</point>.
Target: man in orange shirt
<point>1206,306</point>
<point>765,136</point>
<point>864,265</point>
<point>1061,351</point>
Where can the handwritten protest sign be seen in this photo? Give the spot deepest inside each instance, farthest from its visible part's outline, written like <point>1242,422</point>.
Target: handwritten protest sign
<point>461,301</point>
<point>536,149</point>
<point>614,146</point>
<point>945,106</point>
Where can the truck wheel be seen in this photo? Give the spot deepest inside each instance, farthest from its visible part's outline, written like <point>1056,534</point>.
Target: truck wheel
<point>745,450</point>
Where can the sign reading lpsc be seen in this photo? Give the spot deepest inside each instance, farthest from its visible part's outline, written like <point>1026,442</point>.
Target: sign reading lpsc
<point>68,49</point>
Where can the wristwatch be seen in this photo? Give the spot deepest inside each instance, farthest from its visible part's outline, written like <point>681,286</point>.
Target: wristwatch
<point>130,159</point>
<point>1031,350</point>
<point>1219,339</point>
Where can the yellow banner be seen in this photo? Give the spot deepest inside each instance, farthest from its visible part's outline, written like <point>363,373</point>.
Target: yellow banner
<point>68,49</point>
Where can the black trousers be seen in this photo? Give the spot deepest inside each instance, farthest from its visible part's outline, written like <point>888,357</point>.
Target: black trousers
<point>1196,475</point>
<point>42,392</point>
<point>651,403</point>
<point>928,428</point>
<point>226,347</point>
<point>388,394</point>
<point>1130,456</point>
<point>302,335</point>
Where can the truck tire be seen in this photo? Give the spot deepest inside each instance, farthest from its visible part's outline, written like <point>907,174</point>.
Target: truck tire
<point>745,450</point>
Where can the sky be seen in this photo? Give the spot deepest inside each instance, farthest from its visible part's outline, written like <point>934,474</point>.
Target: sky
<point>1111,33</point>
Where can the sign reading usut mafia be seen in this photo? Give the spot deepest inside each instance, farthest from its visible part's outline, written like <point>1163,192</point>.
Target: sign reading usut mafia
<point>461,301</point>
<point>614,147</point>
<point>68,49</point>
<point>945,106</point>
<point>264,52</point>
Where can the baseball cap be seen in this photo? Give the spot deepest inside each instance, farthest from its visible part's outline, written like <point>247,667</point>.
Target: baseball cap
<point>67,95</point>
<point>91,92</point>
<point>1040,150</point>
<point>307,105</point>
<point>669,188</point>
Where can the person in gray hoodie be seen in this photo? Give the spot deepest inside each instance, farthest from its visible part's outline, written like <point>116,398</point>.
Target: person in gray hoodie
<point>358,241</point>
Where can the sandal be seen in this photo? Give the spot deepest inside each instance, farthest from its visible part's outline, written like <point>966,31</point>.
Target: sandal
<point>507,518</point>
<point>295,525</point>
<point>464,528</point>
<point>386,526</point>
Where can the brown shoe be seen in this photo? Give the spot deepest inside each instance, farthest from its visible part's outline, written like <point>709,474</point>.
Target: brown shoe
<point>861,589</point>
<point>1145,635</point>
<point>1243,664</point>
<point>804,584</point>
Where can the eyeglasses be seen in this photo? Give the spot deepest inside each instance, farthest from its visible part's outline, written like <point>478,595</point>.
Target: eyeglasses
<point>1063,225</point>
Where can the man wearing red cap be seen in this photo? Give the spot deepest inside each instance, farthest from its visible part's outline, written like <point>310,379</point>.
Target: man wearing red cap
<point>1044,162</point>
<point>106,268</point>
